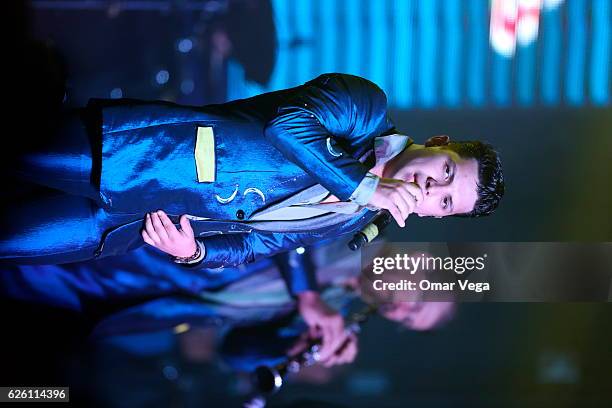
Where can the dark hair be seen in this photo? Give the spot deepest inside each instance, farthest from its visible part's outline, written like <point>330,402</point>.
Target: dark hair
<point>490,176</point>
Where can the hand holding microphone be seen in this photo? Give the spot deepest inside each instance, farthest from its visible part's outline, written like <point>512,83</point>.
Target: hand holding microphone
<point>399,197</point>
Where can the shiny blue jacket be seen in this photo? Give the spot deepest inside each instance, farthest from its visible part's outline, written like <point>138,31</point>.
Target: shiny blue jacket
<point>267,148</point>
<point>277,143</point>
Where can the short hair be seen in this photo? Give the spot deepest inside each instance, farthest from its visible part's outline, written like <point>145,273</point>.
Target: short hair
<point>490,187</point>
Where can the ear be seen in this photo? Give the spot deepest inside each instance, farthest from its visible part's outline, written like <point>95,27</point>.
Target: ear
<point>440,140</point>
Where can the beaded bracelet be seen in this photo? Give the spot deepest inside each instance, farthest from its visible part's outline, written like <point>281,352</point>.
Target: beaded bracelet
<point>189,259</point>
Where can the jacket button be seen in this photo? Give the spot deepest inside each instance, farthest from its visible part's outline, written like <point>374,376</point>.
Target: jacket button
<point>240,214</point>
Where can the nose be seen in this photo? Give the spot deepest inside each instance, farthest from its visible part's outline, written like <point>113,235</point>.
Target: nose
<point>432,187</point>
<point>428,186</point>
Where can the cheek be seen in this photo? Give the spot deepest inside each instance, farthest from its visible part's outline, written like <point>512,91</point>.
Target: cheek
<point>404,174</point>
<point>429,206</point>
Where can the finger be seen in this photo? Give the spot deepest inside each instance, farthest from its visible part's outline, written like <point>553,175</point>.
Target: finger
<point>151,230</point>
<point>337,329</point>
<point>341,352</point>
<point>186,226</point>
<point>341,358</point>
<point>326,343</point>
<point>396,214</point>
<point>328,336</point>
<point>401,201</point>
<point>159,227</point>
<point>147,238</point>
<point>348,356</point>
<point>353,354</point>
<point>415,191</point>
<point>408,200</point>
<point>331,361</point>
<point>335,358</point>
<point>171,230</point>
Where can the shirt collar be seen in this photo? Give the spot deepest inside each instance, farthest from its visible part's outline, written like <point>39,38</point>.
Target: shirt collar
<point>387,147</point>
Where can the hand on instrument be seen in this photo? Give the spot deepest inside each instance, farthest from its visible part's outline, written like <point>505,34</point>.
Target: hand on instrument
<point>324,323</point>
<point>160,232</point>
<point>345,354</point>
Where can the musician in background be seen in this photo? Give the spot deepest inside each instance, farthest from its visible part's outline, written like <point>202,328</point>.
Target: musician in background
<point>346,289</point>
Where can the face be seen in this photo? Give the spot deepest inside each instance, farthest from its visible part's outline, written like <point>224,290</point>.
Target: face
<point>417,315</point>
<point>448,182</point>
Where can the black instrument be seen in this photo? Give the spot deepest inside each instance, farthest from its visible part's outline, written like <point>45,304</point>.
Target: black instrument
<point>268,380</point>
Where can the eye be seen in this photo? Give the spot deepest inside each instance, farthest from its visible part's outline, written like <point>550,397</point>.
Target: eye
<point>446,171</point>
<point>447,203</point>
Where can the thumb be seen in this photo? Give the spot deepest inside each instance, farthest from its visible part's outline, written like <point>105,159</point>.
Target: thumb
<point>186,225</point>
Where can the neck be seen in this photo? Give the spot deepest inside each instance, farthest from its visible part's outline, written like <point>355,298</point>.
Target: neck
<point>378,170</point>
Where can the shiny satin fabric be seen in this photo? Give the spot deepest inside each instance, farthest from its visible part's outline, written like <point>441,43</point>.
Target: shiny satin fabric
<point>144,273</point>
<point>153,167</point>
<point>60,219</point>
<point>62,160</point>
<point>267,148</point>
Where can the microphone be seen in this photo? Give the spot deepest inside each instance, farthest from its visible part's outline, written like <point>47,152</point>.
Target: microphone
<point>370,231</point>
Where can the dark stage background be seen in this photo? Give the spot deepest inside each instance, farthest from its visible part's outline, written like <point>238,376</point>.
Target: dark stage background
<point>547,109</point>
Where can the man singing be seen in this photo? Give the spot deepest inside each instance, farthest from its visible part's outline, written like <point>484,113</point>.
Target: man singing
<point>255,176</point>
<point>248,179</point>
